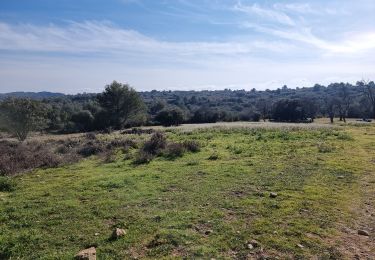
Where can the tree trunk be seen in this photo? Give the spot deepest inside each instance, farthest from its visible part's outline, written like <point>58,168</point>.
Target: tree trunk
<point>331,118</point>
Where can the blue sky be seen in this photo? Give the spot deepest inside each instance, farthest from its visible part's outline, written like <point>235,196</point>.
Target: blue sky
<point>76,46</point>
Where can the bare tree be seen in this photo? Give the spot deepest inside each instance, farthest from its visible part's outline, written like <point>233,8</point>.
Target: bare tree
<point>344,102</point>
<point>369,90</point>
<point>330,107</point>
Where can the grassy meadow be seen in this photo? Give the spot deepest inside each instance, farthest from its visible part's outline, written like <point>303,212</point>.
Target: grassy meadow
<point>208,204</point>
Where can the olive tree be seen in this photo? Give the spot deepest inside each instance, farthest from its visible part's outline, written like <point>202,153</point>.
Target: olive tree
<point>20,116</point>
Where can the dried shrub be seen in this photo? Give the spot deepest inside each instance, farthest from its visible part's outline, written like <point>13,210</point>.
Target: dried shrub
<point>90,149</point>
<point>174,150</point>
<point>156,144</point>
<point>109,156</point>
<point>91,136</point>
<point>143,157</point>
<point>192,146</point>
<point>125,144</point>
<point>19,157</point>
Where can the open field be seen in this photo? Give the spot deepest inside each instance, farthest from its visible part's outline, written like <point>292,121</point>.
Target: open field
<point>208,204</point>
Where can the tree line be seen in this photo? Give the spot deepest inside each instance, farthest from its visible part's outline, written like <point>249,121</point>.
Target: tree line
<point>120,106</point>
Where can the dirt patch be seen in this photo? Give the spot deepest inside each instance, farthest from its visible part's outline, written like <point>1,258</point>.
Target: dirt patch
<point>349,244</point>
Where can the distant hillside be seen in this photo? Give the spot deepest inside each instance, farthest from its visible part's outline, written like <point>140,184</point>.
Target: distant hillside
<point>33,95</point>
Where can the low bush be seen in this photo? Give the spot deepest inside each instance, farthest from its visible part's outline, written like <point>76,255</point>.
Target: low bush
<point>192,146</point>
<point>143,157</point>
<point>90,149</point>
<point>213,157</point>
<point>156,144</point>
<point>125,144</point>
<point>174,150</point>
<point>6,184</point>
<point>18,157</point>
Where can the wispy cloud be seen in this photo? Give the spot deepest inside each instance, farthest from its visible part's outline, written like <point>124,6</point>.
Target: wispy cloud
<point>266,13</point>
<point>104,37</point>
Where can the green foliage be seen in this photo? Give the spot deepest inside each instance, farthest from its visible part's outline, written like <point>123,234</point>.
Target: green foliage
<point>121,104</point>
<point>7,184</point>
<point>21,116</point>
<point>170,117</point>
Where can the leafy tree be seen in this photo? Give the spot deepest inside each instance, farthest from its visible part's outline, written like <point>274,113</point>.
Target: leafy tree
<point>288,110</point>
<point>121,104</point>
<point>20,116</point>
<point>83,120</point>
<point>171,116</point>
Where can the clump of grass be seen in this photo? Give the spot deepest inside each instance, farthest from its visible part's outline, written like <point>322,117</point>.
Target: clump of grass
<point>213,157</point>
<point>325,147</point>
<point>7,184</point>
<point>192,146</point>
<point>344,136</point>
<point>192,163</point>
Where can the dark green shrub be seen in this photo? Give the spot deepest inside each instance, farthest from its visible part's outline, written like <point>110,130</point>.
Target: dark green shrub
<point>90,149</point>
<point>6,184</point>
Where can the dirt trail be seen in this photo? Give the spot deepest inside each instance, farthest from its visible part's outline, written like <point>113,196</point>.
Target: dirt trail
<point>349,243</point>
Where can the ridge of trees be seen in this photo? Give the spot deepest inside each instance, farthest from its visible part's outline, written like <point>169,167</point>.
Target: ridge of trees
<point>120,106</point>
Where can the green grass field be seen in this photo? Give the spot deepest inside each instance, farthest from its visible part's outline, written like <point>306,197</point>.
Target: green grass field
<point>208,204</point>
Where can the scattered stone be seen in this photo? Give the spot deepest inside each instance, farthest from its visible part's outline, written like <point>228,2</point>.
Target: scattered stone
<point>253,243</point>
<point>87,254</point>
<point>300,246</point>
<point>273,195</point>
<point>363,233</point>
<point>118,232</point>
<point>250,246</point>
<point>207,232</point>
<point>96,234</point>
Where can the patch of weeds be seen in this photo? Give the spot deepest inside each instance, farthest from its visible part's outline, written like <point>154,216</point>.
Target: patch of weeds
<point>344,136</point>
<point>325,148</point>
<point>213,157</point>
<point>143,157</point>
<point>192,146</point>
<point>163,243</point>
<point>7,184</point>
<point>192,163</point>
<point>174,150</point>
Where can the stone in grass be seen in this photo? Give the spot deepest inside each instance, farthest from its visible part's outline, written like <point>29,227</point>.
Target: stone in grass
<point>363,233</point>
<point>87,254</point>
<point>273,195</point>
<point>117,233</point>
<point>300,246</point>
<point>253,244</point>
